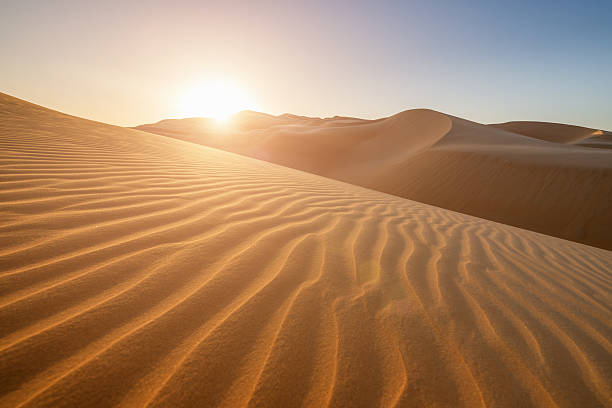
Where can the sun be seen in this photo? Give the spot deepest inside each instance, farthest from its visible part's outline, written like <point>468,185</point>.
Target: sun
<point>218,100</point>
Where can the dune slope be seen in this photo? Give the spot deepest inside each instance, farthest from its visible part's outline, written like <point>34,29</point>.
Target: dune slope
<point>139,270</point>
<point>524,180</point>
<point>558,132</point>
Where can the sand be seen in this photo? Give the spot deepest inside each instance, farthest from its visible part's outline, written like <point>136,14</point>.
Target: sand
<point>550,178</point>
<point>558,132</point>
<point>140,270</point>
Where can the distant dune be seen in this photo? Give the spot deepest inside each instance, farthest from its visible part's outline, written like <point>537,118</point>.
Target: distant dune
<point>511,173</point>
<point>560,133</point>
<point>142,270</point>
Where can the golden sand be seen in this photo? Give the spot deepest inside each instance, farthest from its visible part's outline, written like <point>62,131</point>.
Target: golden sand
<point>550,178</point>
<point>140,270</point>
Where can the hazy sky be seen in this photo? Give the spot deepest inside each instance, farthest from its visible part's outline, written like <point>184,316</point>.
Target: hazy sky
<point>128,63</point>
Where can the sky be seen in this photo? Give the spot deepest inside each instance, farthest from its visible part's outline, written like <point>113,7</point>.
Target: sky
<point>130,63</point>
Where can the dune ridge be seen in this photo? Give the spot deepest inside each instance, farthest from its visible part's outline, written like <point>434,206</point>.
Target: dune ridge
<point>140,270</point>
<point>525,174</point>
<point>560,133</point>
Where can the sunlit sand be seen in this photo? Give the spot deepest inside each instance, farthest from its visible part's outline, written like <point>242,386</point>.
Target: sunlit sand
<point>550,178</point>
<point>142,270</point>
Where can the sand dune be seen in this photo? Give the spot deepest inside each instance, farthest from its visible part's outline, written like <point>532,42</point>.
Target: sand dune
<point>140,270</point>
<point>560,133</point>
<point>520,179</point>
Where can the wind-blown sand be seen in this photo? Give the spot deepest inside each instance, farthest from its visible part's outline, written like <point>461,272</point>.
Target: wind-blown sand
<point>140,270</point>
<point>558,189</point>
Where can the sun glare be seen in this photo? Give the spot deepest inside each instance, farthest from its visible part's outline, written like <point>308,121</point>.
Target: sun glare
<point>217,100</point>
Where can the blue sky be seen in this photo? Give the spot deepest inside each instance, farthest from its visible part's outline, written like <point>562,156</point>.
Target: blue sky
<point>488,61</point>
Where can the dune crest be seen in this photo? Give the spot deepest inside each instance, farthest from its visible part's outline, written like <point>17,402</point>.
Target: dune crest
<point>556,132</point>
<point>539,176</point>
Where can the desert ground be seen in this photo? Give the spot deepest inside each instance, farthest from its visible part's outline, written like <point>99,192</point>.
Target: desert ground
<point>137,269</point>
<point>551,178</point>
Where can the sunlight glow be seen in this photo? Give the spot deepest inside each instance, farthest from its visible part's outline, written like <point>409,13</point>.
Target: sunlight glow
<point>217,100</point>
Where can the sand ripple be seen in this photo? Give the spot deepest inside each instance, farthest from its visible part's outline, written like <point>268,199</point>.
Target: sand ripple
<point>138,270</point>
